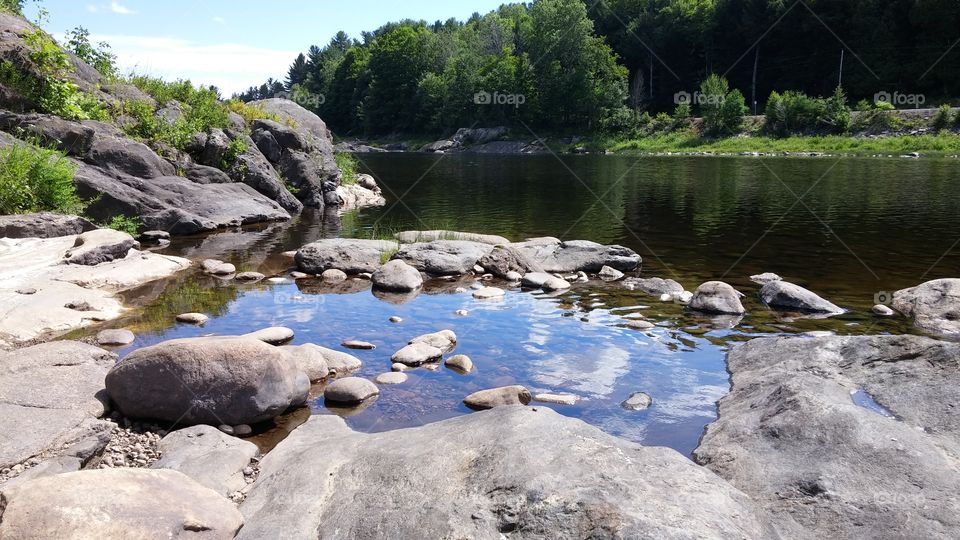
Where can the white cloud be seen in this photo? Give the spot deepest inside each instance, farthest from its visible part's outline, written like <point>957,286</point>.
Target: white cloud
<point>92,8</point>
<point>228,66</point>
<point>116,7</point>
<point>219,20</point>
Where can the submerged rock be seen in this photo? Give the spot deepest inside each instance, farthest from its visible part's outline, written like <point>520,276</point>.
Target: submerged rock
<point>218,268</point>
<point>934,306</point>
<point>638,401</point>
<point>459,362</point>
<point>392,377</point>
<point>488,293</point>
<point>784,295</point>
<point>717,297</point>
<point>794,435</point>
<point>487,474</point>
<point>85,504</point>
<point>210,380</point>
<point>653,286</point>
<point>498,397</point>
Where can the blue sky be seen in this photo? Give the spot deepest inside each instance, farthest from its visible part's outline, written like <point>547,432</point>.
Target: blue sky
<point>232,44</point>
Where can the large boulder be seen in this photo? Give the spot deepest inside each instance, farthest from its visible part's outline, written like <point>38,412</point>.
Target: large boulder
<point>353,256</point>
<point>505,259</point>
<point>717,297</point>
<point>579,256</point>
<point>934,306</point>
<point>72,138</point>
<point>174,204</point>
<point>119,156</point>
<point>50,397</point>
<point>253,169</point>
<point>522,472</point>
<point>308,174</point>
<point>443,257</point>
<point>209,456</point>
<point>43,225</point>
<point>117,504</point>
<point>291,113</point>
<point>397,276</point>
<point>210,380</point>
<point>356,196</point>
<point>843,437</point>
<point>788,296</point>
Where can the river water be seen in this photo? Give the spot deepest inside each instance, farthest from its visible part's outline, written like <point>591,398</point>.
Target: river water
<point>849,229</point>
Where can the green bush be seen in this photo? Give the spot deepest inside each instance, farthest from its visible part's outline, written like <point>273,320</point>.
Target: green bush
<point>796,113</point>
<point>11,6</point>
<point>250,112</point>
<point>879,118</point>
<point>34,179</point>
<point>235,149</point>
<point>942,119</point>
<point>122,223</point>
<point>201,107</point>
<point>348,166</point>
<point>722,109</point>
<point>98,56</point>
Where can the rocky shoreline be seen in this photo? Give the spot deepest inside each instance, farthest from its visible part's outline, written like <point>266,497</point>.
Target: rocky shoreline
<point>820,435</point>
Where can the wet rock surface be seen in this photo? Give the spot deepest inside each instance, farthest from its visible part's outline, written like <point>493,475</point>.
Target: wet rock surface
<point>792,436</point>
<point>934,306</point>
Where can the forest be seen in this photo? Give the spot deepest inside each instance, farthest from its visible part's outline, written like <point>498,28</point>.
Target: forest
<point>595,65</point>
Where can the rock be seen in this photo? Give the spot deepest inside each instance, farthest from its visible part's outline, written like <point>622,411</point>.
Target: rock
<point>684,298</point>
<point>154,237</point>
<point>400,367</point>
<point>638,401</point>
<point>359,345</point>
<point>513,276</point>
<point>218,268</point>
<point>579,255</point>
<point>882,310</point>
<point>115,338</point>
<point>784,295</point>
<point>242,430</point>
<point>299,275</point>
<point>717,297</point>
<point>489,293</point>
<point>764,278</point>
<point>333,275</point>
<point>443,257</point>
<point>555,284</point>
<point>350,255</point>
<point>640,325</point>
<point>193,318</point>
<point>417,354</point>
<point>445,340</point>
<point>666,297</point>
<point>226,429</point>
<point>350,390</point>
<point>410,237</point>
<point>393,377</point>
<point>210,380</point>
<point>397,276</point>
<point>489,475</point>
<point>250,276</point>
<point>99,246</point>
<point>202,174</point>
<point>43,225</point>
<point>50,397</point>
<point>277,335</point>
<point>558,399</point>
<point>653,286</point>
<point>934,306</point>
<point>291,113</point>
<point>309,359</point>
<point>498,397</point>
<point>460,362</point>
<point>503,260</point>
<point>254,170</point>
<point>119,156</point>
<point>610,274</point>
<point>535,280</point>
<point>84,504</point>
<point>843,437</point>
<point>396,319</point>
<point>173,203</point>
<point>207,455</point>
<point>340,363</point>
<point>356,196</point>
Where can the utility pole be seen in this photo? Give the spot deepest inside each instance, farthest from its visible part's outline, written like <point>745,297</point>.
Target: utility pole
<point>840,82</point>
<point>756,59</point>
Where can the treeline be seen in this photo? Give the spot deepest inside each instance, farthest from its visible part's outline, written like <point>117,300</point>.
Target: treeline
<point>557,65</point>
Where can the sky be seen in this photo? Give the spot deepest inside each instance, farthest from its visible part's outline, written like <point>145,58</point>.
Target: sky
<point>231,44</point>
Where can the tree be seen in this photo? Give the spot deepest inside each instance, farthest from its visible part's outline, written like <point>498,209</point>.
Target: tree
<point>722,109</point>
<point>298,72</point>
<point>99,56</point>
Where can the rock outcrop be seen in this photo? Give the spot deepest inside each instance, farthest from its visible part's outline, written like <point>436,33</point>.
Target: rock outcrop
<point>43,225</point>
<point>579,256</point>
<point>488,474</point>
<point>212,458</point>
<point>843,437</point>
<point>934,306</point>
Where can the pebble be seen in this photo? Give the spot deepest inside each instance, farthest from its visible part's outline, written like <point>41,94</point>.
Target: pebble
<point>555,284</point>
<point>460,362</point>
<point>333,275</point>
<point>277,280</point>
<point>242,430</point>
<point>192,318</point>
<point>477,269</point>
<point>396,319</point>
<point>489,293</point>
<point>882,310</point>
<point>393,377</point>
<point>226,429</point>
<point>299,275</point>
<point>637,401</point>
<point>27,291</point>
<point>640,325</point>
<point>249,276</point>
<point>666,297</point>
<point>359,345</point>
<point>365,275</point>
<point>399,367</point>
<point>459,290</point>
<point>513,276</point>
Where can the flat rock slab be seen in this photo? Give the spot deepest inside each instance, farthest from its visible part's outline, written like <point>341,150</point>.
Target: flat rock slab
<point>844,437</point>
<point>209,456</point>
<point>498,397</point>
<point>445,340</point>
<point>444,257</point>
<point>489,293</point>
<point>117,503</point>
<point>43,225</point>
<point>353,256</point>
<point>488,473</point>
<point>579,255</point>
<point>51,394</point>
